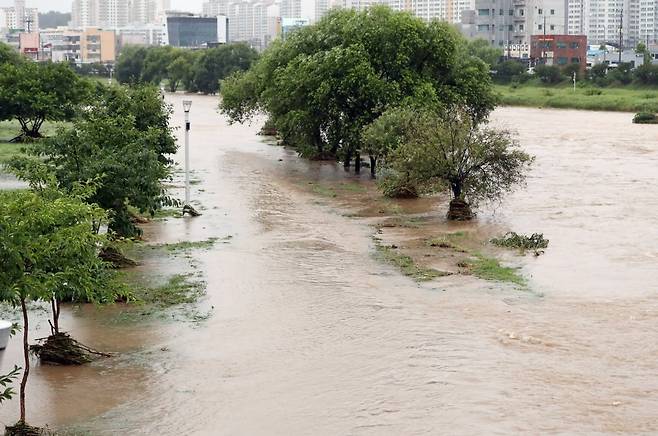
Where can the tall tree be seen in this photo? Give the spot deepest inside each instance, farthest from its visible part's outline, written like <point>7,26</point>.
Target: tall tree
<point>122,144</point>
<point>448,150</point>
<point>32,93</point>
<point>130,64</point>
<point>45,242</point>
<point>214,64</point>
<point>371,60</point>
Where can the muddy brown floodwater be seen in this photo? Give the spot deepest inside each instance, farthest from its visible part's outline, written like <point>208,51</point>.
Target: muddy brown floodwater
<point>310,335</point>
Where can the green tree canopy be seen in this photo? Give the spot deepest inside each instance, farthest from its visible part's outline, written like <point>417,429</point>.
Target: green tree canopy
<point>324,83</point>
<point>448,150</point>
<point>214,64</point>
<point>120,143</point>
<point>32,93</point>
<point>130,64</point>
<point>47,246</point>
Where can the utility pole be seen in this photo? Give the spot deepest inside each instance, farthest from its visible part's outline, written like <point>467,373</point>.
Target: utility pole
<point>543,52</point>
<point>621,24</point>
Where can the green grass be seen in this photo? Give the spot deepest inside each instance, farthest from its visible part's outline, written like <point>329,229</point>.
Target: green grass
<point>9,150</point>
<point>489,268</point>
<point>626,99</point>
<point>323,191</point>
<point>449,240</point>
<point>406,264</point>
<point>179,289</point>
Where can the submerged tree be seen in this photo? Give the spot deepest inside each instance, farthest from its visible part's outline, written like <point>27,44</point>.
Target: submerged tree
<point>35,92</point>
<point>46,244</point>
<point>324,83</point>
<point>448,150</point>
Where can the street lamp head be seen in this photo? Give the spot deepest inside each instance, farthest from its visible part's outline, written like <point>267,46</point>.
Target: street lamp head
<point>187,104</point>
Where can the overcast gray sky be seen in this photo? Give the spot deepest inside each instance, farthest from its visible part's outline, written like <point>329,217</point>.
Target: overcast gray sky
<point>65,5</point>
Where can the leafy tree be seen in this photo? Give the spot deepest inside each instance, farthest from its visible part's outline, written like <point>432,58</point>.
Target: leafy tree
<point>34,92</point>
<point>642,49</point>
<point>550,74</point>
<point>8,55</point>
<point>53,19</point>
<point>598,74</point>
<point>371,60</point>
<point>45,244</point>
<point>622,74</point>
<point>448,150</point>
<point>481,49</point>
<point>178,70</point>
<point>647,74</point>
<point>130,64</point>
<point>156,62</point>
<point>216,63</point>
<point>121,144</point>
<point>509,70</point>
<point>568,71</point>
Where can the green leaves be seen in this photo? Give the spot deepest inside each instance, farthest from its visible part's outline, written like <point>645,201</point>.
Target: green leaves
<point>33,92</point>
<point>324,83</point>
<point>5,380</point>
<point>48,246</point>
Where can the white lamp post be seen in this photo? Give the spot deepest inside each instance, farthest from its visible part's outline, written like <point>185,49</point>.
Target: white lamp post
<point>187,104</point>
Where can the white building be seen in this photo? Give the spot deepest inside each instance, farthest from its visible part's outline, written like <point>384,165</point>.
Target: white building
<point>601,21</point>
<point>291,9</point>
<point>18,17</point>
<point>321,8</point>
<point>212,8</point>
<point>506,23</point>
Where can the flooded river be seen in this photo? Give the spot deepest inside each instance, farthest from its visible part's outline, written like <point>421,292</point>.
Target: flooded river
<point>310,335</point>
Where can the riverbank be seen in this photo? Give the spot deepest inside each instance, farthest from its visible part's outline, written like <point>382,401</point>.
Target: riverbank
<point>625,99</point>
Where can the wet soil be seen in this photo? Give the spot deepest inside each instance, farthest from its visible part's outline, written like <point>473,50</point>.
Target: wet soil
<point>309,333</point>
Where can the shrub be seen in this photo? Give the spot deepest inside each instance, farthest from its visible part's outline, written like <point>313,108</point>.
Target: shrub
<point>645,118</point>
<point>549,74</point>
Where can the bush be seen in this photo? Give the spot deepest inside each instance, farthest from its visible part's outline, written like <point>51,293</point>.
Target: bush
<point>592,91</point>
<point>645,118</point>
<point>647,74</point>
<point>549,74</point>
<point>508,71</point>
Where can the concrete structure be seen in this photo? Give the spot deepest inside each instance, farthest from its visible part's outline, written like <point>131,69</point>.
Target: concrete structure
<point>147,35</point>
<point>90,45</point>
<point>321,8</point>
<point>560,50</point>
<point>511,23</point>
<point>212,8</point>
<point>291,9</point>
<point>601,21</point>
<point>18,17</point>
<point>187,30</point>
<point>29,45</point>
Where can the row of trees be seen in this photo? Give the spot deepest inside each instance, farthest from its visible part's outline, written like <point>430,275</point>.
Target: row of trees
<point>111,155</point>
<point>390,86</point>
<point>193,70</point>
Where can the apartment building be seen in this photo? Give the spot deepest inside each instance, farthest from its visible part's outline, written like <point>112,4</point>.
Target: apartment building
<point>512,22</point>
<point>18,17</point>
<point>291,8</point>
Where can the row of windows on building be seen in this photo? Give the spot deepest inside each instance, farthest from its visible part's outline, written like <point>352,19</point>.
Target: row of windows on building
<point>521,12</point>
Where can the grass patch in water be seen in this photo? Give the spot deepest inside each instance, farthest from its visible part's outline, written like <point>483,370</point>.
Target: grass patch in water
<point>168,213</point>
<point>406,264</point>
<point>9,150</point>
<point>489,268</point>
<point>352,187</point>
<point>179,289</point>
<point>323,190</point>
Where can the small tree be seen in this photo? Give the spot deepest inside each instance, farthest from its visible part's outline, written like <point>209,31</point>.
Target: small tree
<point>121,143</point>
<point>550,74</point>
<point>448,150</point>
<point>34,92</point>
<point>130,64</point>
<point>40,239</point>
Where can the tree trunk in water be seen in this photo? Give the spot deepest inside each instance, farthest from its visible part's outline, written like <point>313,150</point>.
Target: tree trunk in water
<point>459,210</point>
<point>54,303</point>
<point>26,357</point>
<point>357,163</point>
<point>347,161</point>
<point>373,166</point>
